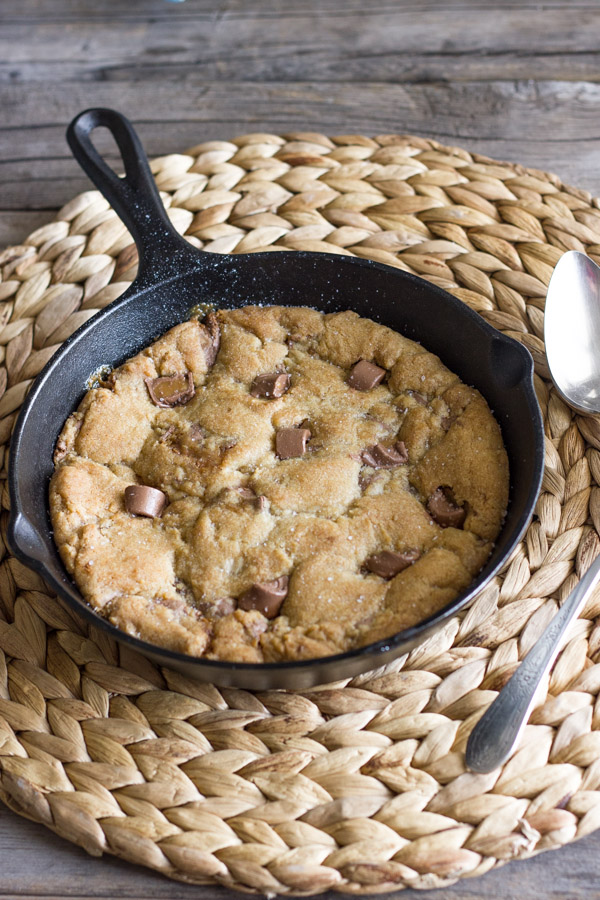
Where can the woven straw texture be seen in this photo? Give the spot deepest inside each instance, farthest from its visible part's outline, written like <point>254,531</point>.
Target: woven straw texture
<point>359,786</point>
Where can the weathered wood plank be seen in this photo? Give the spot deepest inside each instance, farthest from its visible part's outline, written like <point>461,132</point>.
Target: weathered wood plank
<point>542,112</point>
<point>548,125</point>
<point>70,9</point>
<point>16,226</point>
<point>406,67</point>
<point>36,863</point>
<point>296,42</point>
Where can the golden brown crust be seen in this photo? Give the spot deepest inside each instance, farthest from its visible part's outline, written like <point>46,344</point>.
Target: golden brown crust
<point>239,515</point>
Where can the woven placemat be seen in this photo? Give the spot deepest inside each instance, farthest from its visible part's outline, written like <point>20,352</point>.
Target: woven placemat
<point>359,786</point>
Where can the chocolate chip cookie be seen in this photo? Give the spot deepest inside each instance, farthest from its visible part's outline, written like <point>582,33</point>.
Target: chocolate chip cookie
<point>274,483</point>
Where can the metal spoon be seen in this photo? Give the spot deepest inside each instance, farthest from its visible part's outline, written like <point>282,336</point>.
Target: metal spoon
<point>572,337</point>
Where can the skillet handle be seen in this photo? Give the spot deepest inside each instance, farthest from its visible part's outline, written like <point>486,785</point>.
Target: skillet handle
<point>134,197</point>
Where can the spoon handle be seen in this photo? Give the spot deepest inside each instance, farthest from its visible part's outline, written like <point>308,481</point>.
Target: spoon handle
<point>496,733</point>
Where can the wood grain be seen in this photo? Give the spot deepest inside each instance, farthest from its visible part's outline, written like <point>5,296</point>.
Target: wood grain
<point>499,119</point>
<point>335,41</point>
<point>521,85</point>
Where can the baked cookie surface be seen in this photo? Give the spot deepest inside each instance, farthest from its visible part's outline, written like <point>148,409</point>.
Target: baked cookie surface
<point>277,484</point>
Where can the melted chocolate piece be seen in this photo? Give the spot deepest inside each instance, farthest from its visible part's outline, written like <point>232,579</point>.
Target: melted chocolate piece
<point>421,399</point>
<point>247,493</point>
<point>270,386</point>
<point>171,390</point>
<point>211,325</point>
<point>267,597</point>
<point>388,563</point>
<point>291,442</point>
<point>364,376</point>
<point>142,500</point>
<point>365,480</point>
<point>444,510</point>
<point>381,457</point>
<point>447,422</point>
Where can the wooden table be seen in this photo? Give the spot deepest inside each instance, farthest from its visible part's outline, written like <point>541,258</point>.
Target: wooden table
<point>518,84</point>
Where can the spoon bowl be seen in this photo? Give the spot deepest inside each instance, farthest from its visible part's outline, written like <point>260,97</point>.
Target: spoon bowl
<point>572,331</point>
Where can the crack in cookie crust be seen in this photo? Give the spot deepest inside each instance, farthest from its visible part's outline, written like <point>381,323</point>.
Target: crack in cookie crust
<point>240,517</point>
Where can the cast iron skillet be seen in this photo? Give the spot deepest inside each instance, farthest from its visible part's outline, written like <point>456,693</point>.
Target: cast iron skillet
<point>173,277</point>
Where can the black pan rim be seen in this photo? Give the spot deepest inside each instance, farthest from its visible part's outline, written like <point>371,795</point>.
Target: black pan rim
<point>395,642</point>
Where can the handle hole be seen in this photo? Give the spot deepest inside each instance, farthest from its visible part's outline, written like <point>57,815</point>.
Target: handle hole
<point>104,143</point>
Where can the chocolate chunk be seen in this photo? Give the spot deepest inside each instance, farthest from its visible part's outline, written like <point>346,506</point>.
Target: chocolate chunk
<point>421,399</point>
<point>211,325</point>
<point>171,390</point>
<point>400,448</point>
<point>266,597</point>
<point>247,493</point>
<point>364,480</point>
<point>447,422</point>
<point>270,386</point>
<point>364,376</point>
<point>142,500</point>
<point>291,442</point>
<point>388,563</point>
<point>381,457</point>
<point>444,510</point>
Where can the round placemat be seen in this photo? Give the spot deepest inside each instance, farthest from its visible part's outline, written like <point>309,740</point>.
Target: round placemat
<point>358,786</point>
